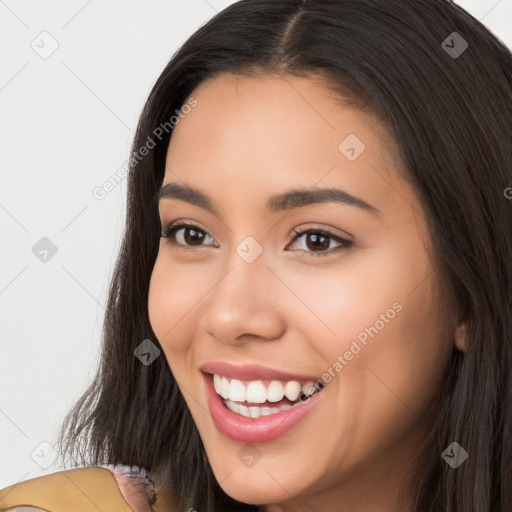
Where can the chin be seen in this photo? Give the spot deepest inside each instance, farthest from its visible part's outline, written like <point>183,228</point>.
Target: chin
<point>255,493</point>
<point>256,487</point>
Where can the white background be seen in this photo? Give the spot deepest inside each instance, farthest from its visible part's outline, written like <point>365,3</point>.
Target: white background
<point>66,124</point>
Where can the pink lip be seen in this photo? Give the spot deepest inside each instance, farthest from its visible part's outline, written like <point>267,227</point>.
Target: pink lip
<point>241,429</point>
<point>252,372</point>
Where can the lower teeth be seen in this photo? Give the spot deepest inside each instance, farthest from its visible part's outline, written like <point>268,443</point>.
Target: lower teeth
<point>256,412</point>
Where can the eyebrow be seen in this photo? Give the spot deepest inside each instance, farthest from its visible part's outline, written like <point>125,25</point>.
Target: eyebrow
<point>296,198</point>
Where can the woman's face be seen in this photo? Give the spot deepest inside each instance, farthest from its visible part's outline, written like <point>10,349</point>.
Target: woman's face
<point>241,295</point>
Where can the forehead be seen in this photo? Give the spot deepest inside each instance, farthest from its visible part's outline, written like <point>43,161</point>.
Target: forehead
<point>254,135</point>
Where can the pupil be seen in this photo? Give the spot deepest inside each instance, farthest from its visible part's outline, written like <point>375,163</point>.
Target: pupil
<point>316,245</point>
<point>196,237</point>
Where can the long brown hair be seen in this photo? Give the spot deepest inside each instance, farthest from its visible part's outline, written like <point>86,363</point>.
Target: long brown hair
<point>447,100</point>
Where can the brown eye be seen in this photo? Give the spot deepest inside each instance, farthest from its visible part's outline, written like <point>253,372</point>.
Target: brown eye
<point>318,241</point>
<point>191,235</point>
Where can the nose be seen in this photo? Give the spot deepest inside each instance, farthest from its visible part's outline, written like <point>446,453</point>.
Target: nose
<point>245,304</point>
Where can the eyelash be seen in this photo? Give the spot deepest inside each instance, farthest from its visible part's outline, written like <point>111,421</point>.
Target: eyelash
<point>170,229</point>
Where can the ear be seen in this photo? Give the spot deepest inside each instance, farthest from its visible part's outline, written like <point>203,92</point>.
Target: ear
<point>461,337</point>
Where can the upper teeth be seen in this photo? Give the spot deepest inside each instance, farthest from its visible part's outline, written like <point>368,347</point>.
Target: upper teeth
<point>257,392</point>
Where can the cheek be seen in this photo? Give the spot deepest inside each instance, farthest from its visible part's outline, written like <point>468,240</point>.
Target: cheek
<point>383,338</point>
<point>364,292</point>
<point>171,298</point>
<point>411,355</point>
<point>393,380</point>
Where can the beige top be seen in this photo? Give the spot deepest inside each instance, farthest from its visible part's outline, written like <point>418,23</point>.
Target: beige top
<point>81,490</point>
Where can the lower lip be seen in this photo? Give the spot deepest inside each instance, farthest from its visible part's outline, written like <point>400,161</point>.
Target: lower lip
<point>241,429</point>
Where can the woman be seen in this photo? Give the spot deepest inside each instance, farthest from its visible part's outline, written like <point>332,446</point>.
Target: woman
<point>245,373</point>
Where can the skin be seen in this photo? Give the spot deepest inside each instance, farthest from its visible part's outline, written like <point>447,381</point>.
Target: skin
<point>252,137</point>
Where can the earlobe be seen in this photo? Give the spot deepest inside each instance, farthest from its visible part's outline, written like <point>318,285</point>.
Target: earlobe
<point>461,338</point>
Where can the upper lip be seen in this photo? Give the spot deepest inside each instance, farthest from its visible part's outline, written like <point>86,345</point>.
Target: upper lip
<point>252,372</point>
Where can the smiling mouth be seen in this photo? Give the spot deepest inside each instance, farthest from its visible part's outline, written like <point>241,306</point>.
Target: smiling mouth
<point>256,398</point>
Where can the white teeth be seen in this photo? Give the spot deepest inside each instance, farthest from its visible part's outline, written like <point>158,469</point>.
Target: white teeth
<point>256,393</point>
<point>217,382</point>
<point>236,391</point>
<point>232,406</point>
<point>275,391</point>
<point>243,409</point>
<point>292,390</point>
<point>224,388</point>
<point>256,412</point>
